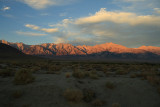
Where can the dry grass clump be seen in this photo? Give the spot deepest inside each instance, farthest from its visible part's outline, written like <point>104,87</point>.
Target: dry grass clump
<point>116,105</point>
<point>17,94</point>
<point>88,94</point>
<point>6,72</point>
<point>73,95</point>
<point>23,77</point>
<point>97,103</point>
<point>110,85</point>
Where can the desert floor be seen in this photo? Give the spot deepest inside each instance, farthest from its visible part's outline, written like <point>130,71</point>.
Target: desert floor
<point>47,90</point>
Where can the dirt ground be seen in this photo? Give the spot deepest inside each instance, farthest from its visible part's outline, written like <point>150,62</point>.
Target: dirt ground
<point>47,91</point>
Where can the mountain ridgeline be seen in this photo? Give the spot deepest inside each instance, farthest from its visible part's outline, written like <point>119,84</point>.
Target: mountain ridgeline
<point>107,50</point>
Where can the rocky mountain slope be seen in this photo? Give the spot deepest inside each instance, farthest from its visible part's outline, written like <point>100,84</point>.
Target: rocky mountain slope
<point>107,49</point>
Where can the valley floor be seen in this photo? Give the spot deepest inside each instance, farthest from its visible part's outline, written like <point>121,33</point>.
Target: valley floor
<point>48,89</point>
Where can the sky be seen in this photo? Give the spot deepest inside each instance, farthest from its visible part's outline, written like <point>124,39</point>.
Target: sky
<point>131,23</point>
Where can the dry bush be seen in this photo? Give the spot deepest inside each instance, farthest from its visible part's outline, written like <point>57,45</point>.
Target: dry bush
<point>88,94</point>
<point>17,94</point>
<point>153,80</point>
<point>122,72</point>
<point>54,67</point>
<point>68,74</point>
<point>110,85</point>
<point>73,95</point>
<point>6,72</point>
<point>35,68</point>
<point>93,74</point>
<point>116,105</point>
<point>97,102</point>
<point>23,77</point>
<point>79,74</point>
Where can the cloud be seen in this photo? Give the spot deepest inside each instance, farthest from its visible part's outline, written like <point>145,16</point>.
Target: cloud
<point>157,10</point>
<point>125,28</point>
<point>30,33</point>
<point>6,8</point>
<point>41,4</point>
<point>47,30</point>
<point>119,17</point>
<point>137,6</point>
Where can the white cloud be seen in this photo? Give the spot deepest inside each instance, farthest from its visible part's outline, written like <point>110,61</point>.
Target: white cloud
<point>137,6</point>
<point>47,30</point>
<point>32,26</point>
<point>157,10</point>
<point>6,8</point>
<point>119,17</point>
<point>124,28</point>
<point>29,33</point>
<point>41,4</point>
<point>50,30</point>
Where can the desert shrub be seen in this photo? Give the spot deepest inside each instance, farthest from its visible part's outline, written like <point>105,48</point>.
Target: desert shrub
<point>97,102</point>
<point>93,76</point>
<point>79,74</point>
<point>17,94</point>
<point>110,85</point>
<point>88,94</point>
<point>116,105</point>
<point>121,72</point>
<point>73,95</point>
<point>153,80</point>
<point>54,67</point>
<point>68,74</point>
<point>35,68</point>
<point>6,72</point>
<point>88,67</point>
<point>23,77</point>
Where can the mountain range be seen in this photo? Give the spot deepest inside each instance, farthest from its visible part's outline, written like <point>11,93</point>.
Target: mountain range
<point>102,50</point>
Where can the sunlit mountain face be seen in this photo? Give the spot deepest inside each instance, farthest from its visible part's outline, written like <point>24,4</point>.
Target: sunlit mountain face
<point>131,23</point>
<point>101,51</point>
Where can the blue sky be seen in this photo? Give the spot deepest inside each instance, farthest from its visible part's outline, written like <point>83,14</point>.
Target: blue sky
<point>131,23</point>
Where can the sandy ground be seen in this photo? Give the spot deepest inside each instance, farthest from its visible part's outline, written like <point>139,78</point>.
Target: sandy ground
<point>47,91</point>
